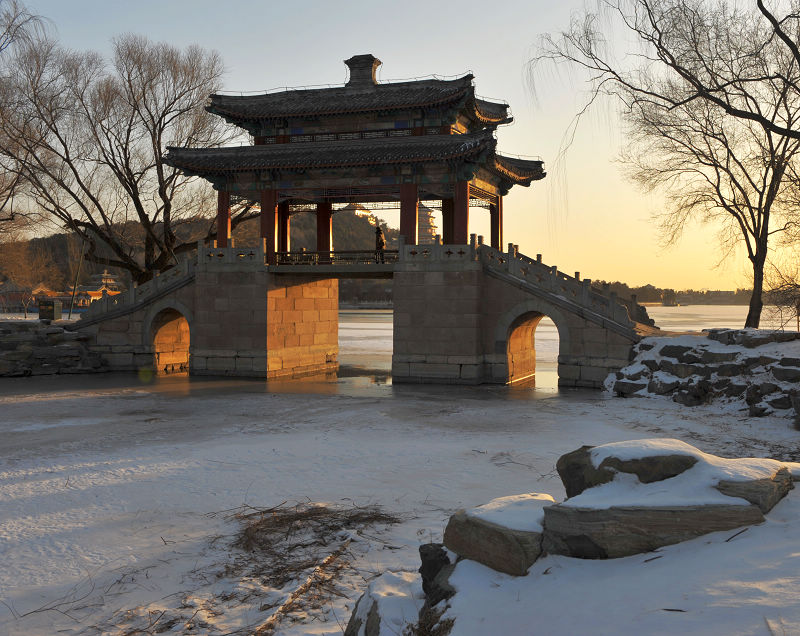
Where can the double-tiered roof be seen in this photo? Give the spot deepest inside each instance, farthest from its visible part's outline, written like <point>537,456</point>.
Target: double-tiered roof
<point>365,138</point>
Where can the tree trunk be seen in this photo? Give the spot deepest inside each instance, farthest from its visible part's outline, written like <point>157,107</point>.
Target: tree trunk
<point>756,302</point>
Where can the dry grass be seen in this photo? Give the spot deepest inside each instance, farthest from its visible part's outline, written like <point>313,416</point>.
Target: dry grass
<point>291,562</point>
<point>290,540</point>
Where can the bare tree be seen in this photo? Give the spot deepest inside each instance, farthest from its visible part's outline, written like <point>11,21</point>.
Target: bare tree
<point>709,98</point>
<point>17,25</point>
<point>720,170</point>
<point>89,140</point>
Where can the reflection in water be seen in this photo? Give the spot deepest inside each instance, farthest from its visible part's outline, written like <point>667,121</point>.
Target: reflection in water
<point>365,351</point>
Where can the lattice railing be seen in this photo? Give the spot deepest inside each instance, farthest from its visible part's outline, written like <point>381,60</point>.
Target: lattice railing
<point>338,257</point>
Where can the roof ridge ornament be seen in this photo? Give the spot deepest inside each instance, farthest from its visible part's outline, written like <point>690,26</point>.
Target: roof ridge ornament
<point>362,70</point>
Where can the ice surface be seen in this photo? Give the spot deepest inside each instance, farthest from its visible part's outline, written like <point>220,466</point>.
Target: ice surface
<point>113,497</point>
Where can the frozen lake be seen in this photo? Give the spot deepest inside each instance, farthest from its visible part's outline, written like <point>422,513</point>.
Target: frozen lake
<point>114,495</point>
<point>365,349</point>
<point>365,338</point>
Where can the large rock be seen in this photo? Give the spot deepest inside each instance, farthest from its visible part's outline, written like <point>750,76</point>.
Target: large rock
<point>624,388</point>
<point>693,393</point>
<point>609,533</point>
<point>764,493</point>
<point>505,534</point>
<point>750,337</point>
<point>578,472</point>
<point>786,374</point>
<point>674,351</point>
<point>616,508</point>
<point>392,600</point>
<point>435,570</point>
<point>662,385</point>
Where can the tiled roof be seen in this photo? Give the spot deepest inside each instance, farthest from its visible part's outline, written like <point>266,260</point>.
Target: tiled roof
<point>340,100</point>
<point>491,112</point>
<point>316,102</point>
<point>361,98</point>
<point>326,154</point>
<point>520,170</point>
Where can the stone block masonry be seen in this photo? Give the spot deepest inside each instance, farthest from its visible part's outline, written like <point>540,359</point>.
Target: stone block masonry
<point>228,315</point>
<point>457,322</point>
<point>302,326</point>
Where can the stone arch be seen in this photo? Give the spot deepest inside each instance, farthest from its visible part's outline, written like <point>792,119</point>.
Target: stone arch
<point>168,329</point>
<point>514,336</point>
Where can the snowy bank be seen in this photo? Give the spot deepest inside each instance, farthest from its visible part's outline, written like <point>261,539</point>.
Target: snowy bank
<point>747,370</point>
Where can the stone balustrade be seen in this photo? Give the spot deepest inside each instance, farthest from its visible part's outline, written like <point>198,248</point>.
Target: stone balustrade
<point>546,277</point>
<point>141,293</point>
<point>550,279</point>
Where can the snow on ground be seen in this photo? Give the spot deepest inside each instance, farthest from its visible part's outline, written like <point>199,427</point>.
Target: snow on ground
<point>113,500</point>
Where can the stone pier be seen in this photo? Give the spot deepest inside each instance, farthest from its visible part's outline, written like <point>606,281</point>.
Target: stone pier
<point>223,314</point>
<point>468,315</point>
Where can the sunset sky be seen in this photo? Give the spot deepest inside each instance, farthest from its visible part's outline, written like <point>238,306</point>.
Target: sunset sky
<point>583,217</point>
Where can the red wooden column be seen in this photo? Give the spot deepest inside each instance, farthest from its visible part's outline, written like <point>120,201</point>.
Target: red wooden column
<point>409,212</point>
<point>324,225</point>
<point>461,213</point>
<point>284,224</point>
<point>496,212</point>
<point>447,221</point>
<point>223,218</point>
<point>269,209</point>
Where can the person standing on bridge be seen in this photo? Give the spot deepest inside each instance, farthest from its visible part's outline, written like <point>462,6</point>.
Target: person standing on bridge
<point>380,245</point>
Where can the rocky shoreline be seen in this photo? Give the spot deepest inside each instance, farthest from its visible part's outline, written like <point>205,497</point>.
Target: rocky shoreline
<point>754,371</point>
<point>41,348</point>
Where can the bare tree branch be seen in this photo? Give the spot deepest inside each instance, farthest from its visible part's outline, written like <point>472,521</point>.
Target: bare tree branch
<point>711,100</point>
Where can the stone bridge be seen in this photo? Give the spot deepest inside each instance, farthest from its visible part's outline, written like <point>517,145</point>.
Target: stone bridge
<point>462,314</point>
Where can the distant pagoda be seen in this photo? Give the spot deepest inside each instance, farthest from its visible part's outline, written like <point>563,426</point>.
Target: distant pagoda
<point>364,142</point>
<point>426,233</point>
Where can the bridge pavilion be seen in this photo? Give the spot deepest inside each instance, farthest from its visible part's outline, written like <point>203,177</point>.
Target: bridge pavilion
<point>427,140</point>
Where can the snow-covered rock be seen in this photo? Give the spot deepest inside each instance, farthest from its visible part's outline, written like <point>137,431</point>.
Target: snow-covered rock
<point>756,371</point>
<point>504,534</point>
<point>630,497</point>
<point>391,601</point>
<point>578,469</point>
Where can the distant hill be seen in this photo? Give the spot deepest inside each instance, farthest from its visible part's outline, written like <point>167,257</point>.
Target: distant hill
<point>350,232</point>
